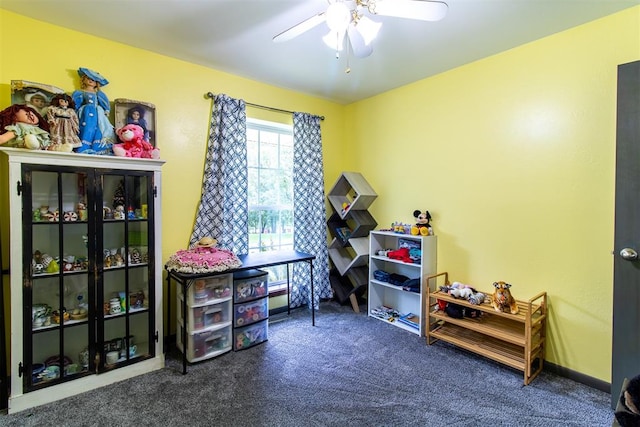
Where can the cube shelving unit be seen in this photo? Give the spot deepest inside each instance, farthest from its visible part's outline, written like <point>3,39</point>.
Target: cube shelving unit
<point>349,226</point>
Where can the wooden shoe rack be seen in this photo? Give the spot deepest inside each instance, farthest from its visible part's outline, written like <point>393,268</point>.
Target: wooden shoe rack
<point>517,341</point>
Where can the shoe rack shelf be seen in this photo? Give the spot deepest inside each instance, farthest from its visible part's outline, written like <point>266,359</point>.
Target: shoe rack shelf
<point>515,340</point>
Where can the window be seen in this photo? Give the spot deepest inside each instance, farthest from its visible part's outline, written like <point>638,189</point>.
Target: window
<point>270,183</point>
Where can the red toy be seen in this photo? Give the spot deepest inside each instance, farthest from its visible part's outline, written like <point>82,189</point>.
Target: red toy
<point>133,143</point>
<point>401,254</point>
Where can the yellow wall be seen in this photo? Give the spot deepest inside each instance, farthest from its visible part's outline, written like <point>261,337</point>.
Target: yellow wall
<point>514,156</point>
<point>36,51</point>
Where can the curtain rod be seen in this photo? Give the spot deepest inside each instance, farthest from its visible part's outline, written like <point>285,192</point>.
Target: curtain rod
<point>264,107</point>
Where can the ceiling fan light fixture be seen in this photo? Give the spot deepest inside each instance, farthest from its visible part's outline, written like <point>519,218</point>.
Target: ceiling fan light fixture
<point>338,17</point>
<point>368,29</point>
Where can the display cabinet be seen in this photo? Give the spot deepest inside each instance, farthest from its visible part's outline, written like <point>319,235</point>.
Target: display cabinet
<point>86,284</point>
<point>398,284</point>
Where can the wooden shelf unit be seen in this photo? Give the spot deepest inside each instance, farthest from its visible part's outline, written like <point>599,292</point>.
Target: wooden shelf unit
<point>515,340</point>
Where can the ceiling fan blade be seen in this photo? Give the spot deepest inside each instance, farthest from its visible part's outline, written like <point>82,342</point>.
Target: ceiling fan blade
<point>412,9</point>
<point>358,44</point>
<point>300,28</point>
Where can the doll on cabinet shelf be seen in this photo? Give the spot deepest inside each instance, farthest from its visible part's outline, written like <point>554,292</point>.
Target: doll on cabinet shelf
<point>63,124</point>
<point>23,127</point>
<point>92,106</point>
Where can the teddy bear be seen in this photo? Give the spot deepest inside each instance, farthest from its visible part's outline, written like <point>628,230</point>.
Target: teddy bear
<point>133,143</point>
<point>422,226</point>
<point>628,411</point>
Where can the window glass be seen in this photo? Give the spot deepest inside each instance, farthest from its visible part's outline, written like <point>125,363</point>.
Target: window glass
<point>270,196</point>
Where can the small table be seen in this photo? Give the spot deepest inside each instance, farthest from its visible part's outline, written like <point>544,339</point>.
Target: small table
<point>250,261</point>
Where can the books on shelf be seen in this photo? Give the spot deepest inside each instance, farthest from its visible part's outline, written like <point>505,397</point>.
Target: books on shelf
<point>344,233</point>
<point>410,319</point>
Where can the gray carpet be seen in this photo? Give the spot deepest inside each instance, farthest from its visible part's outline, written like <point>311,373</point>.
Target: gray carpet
<point>348,370</point>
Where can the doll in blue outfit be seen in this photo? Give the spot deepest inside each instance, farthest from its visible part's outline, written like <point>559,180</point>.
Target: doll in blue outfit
<point>92,106</point>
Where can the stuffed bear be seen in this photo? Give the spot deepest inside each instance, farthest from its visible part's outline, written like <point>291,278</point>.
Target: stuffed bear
<point>629,415</point>
<point>133,143</point>
<point>422,226</point>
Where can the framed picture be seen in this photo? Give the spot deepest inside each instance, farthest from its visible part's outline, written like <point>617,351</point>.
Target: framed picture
<point>35,95</point>
<point>143,114</point>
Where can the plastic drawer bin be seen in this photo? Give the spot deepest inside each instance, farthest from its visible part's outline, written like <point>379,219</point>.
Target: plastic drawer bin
<point>208,289</point>
<point>250,312</point>
<point>249,285</point>
<point>204,345</point>
<point>206,316</point>
<point>251,335</point>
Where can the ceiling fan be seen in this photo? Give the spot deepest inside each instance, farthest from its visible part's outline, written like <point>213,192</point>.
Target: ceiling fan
<point>350,17</point>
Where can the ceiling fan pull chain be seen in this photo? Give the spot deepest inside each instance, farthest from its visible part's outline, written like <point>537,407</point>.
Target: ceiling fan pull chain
<point>348,69</point>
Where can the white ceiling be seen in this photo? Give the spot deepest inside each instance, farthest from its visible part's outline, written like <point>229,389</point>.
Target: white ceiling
<point>235,36</point>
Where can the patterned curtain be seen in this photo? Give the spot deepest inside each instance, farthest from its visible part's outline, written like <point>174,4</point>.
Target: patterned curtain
<point>309,214</point>
<point>224,209</point>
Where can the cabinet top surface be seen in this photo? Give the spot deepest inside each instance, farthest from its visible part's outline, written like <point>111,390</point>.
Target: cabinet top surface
<point>400,235</point>
<point>76,159</point>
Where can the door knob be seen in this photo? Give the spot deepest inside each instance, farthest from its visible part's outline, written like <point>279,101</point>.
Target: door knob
<point>629,254</point>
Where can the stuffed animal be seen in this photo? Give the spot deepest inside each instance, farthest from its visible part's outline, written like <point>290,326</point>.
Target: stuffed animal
<point>133,143</point>
<point>459,290</point>
<point>401,254</point>
<point>502,299</point>
<point>422,226</point>
<point>629,416</point>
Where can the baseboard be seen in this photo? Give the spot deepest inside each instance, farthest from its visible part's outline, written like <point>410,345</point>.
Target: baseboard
<point>577,377</point>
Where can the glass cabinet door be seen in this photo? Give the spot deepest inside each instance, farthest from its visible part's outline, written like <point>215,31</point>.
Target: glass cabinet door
<point>58,323</point>
<point>125,287</point>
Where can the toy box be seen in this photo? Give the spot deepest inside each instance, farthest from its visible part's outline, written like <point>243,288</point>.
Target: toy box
<point>250,312</point>
<point>208,289</point>
<point>251,335</point>
<point>206,316</point>
<point>203,345</point>
<point>249,285</point>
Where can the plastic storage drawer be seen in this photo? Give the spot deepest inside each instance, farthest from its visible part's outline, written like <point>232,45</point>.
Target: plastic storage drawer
<point>208,289</point>
<point>206,316</point>
<point>249,285</point>
<point>250,312</point>
<point>251,335</point>
<point>206,344</point>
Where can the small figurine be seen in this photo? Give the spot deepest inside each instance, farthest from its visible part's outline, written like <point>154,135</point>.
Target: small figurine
<point>118,212</point>
<point>92,106</point>
<point>119,261</point>
<point>63,124</point>
<point>23,127</point>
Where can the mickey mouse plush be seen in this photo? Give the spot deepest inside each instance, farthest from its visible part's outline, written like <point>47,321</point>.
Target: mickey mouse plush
<point>422,226</point>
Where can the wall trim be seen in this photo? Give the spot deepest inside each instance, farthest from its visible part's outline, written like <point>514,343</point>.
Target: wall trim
<point>578,377</point>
